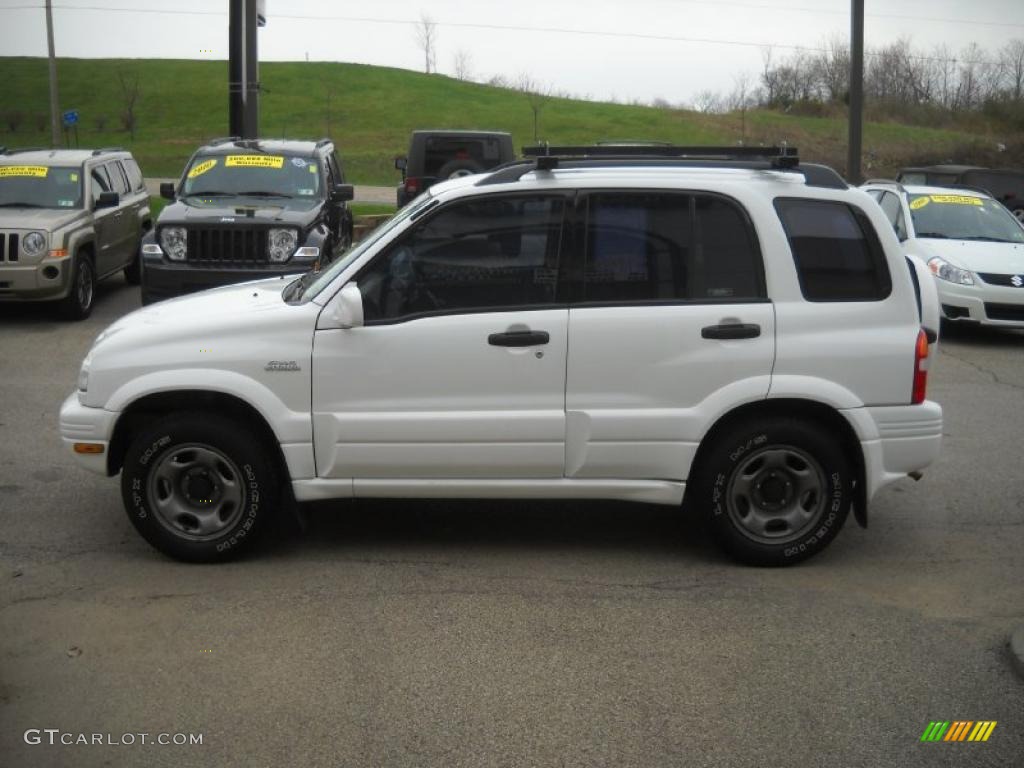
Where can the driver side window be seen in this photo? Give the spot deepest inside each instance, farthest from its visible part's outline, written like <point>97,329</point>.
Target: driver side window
<point>474,255</point>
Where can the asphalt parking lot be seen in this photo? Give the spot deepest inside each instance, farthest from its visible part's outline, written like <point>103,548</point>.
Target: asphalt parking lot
<point>510,634</point>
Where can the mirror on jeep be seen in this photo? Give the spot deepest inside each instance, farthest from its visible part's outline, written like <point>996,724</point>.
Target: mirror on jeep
<point>107,200</point>
<point>401,163</point>
<point>342,192</point>
<point>349,310</point>
<point>167,190</point>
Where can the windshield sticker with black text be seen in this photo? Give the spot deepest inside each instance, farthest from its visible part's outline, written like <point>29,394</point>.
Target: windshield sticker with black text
<point>200,168</point>
<point>254,161</point>
<point>921,202</point>
<point>31,171</point>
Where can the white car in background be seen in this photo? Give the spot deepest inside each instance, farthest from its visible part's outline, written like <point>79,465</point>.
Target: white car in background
<point>971,243</point>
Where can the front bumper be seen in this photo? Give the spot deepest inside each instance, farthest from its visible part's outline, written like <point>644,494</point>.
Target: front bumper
<point>165,281</point>
<point>994,305</point>
<point>46,280</point>
<point>82,424</point>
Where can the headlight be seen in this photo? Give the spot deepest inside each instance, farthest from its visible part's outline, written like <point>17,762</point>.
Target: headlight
<point>174,242</point>
<point>33,243</point>
<point>281,244</point>
<point>83,376</point>
<point>945,271</point>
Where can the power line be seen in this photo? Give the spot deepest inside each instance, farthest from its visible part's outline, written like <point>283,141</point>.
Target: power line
<point>501,28</point>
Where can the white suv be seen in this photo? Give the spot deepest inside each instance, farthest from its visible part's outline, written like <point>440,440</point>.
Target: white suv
<point>971,243</point>
<point>741,334</point>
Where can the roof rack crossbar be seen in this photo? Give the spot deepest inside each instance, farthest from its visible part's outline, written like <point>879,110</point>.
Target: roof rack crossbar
<point>814,175</point>
<point>16,150</point>
<point>104,150</point>
<point>781,156</point>
<point>322,142</point>
<point>223,140</point>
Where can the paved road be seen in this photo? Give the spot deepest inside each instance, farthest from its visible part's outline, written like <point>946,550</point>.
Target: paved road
<point>423,634</point>
<point>363,194</point>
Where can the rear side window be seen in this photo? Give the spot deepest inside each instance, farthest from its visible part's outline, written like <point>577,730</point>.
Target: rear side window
<point>836,250</point>
<point>655,246</point>
<point>134,175</point>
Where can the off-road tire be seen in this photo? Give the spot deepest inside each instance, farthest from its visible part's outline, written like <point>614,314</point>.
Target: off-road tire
<point>453,169</point>
<point>77,305</point>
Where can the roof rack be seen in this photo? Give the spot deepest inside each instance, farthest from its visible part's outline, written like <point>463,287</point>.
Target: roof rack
<point>16,150</point>
<point>547,158</point>
<point>104,150</point>
<point>322,142</point>
<point>222,140</point>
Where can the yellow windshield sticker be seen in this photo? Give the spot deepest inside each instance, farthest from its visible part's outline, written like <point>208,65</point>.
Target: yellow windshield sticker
<point>956,199</point>
<point>312,167</point>
<point>32,171</point>
<point>919,203</point>
<point>254,161</point>
<point>200,168</point>
<point>73,177</point>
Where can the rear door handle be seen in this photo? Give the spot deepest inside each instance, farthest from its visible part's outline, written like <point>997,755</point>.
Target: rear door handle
<point>731,331</point>
<point>518,338</point>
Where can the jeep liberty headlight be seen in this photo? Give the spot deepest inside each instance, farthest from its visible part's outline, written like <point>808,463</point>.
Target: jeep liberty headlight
<point>174,242</point>
<point>281,243</point>
<point>943,270</point>
<point>33,243</point>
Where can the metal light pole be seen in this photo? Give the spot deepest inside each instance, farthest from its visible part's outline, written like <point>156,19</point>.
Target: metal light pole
<point>54,101</point>
<point>853,173</point>
<point>243,68</point>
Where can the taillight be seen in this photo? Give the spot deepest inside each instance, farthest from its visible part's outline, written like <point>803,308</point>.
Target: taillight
<point>412,185</point>
<point>920,368</point>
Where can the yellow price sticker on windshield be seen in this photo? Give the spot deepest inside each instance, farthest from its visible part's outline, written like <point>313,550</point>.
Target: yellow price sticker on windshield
<point>919,203</point>
<point>200,168</point>
<point>31,171</point>
<point>254,161</point>
<point>956,199</point>
<point>73,176</point>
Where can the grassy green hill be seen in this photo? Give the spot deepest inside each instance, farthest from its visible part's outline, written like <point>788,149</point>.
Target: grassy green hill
<point>369,112</point>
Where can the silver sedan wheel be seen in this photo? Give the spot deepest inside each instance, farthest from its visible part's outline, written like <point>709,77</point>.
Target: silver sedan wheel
<point>776,495</point>
<point>196,492</point>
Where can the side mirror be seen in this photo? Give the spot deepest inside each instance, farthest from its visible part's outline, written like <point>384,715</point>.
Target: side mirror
<point>107,200</point>
<point>349,313</point>
<point>342,193</point>
<point>167,190</point>
<point>401,163</point>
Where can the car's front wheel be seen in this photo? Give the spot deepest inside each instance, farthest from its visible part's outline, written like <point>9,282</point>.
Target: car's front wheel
<point>199,487</point>
<point>77,305</point>
<point>776,491</point>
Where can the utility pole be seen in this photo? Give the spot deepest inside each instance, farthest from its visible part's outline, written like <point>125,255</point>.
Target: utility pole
<point>243,67</point>
<point>54,101</point>
<point>853,173</point>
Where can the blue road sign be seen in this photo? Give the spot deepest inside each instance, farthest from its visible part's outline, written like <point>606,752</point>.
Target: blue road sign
<point>70,117</point>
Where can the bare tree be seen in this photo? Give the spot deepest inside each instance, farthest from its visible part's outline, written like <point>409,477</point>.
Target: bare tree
<point>1011,68</point>
<point>537,95</point>
<point>129,83</point>
<point>707,101</point>
<point>740,101</point>
<point>426,38</point>
<point>463,65</point>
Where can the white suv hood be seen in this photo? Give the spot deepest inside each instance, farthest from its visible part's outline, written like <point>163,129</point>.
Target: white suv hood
<point>236,329</point>
<point>976,255</point>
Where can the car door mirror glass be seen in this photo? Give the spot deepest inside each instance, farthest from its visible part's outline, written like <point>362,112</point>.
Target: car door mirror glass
<point>167,190</point>
<point>341,193</point>
<point>107,200</point>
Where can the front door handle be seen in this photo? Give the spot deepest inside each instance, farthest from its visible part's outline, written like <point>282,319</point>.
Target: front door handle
<point>731,331</point>
<point>518,338</point>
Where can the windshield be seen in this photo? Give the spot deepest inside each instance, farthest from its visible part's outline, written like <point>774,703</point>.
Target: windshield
<point>39,186</point>
<point>252,174</point>
<point>323,279</point>
<point>963,217</point>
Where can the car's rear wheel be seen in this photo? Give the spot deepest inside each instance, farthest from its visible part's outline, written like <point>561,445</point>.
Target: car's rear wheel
<point>199,487</point>
<point>77,305</point>
<point>775,491</point>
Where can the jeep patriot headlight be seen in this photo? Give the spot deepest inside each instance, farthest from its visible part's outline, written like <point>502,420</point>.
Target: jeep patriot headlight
<point>33,243</point>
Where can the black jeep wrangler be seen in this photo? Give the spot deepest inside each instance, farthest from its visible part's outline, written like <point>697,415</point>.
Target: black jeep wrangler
<point>244,210</point>
<point>440,155</point>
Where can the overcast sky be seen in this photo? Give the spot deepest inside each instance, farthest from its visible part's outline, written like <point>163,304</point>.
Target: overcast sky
<point>631,49</point>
